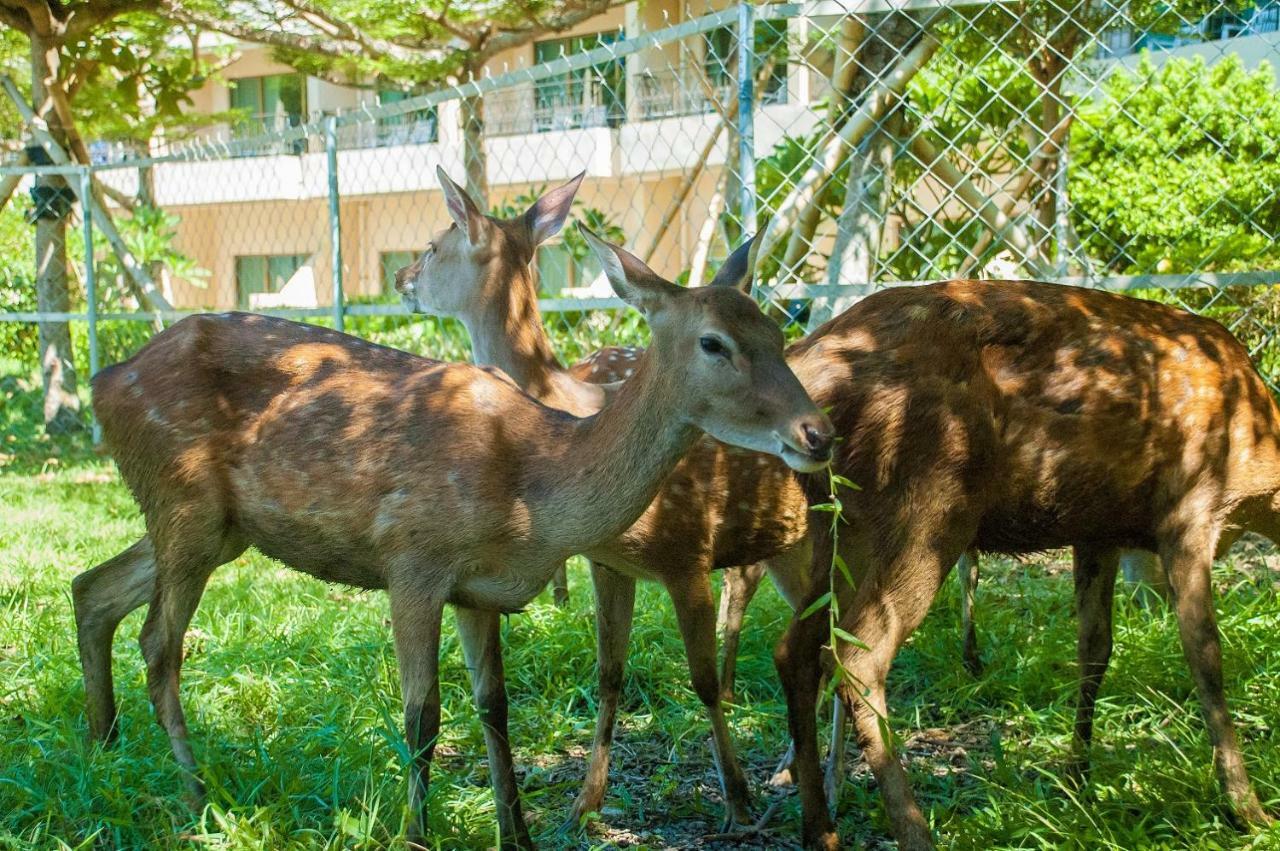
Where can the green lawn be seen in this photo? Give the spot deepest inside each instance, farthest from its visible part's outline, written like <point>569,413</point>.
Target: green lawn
<point>291,693</point>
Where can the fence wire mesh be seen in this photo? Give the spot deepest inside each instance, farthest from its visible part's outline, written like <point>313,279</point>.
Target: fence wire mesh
<point>1123,145</point>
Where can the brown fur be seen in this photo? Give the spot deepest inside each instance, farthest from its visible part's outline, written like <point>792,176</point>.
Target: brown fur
<point>442,483</point>
<point>1017,417</point>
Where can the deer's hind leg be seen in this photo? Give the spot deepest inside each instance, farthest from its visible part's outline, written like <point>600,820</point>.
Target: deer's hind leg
<point>482,646</point>
<point>188,548</point>
<point>102,597</point>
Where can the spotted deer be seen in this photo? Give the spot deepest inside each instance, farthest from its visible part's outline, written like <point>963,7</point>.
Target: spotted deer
<point>443,484</point>
<point>718,507</point>
<point>1013,417</point>
<point>498,306</point>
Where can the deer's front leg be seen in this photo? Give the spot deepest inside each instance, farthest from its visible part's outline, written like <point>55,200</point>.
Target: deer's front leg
<point>615,605</point>
<point>967,573</point>
<point>481,645</point>
<point>696,613</point>
<point>415,623</point>
<point>560,586</point>
<point>738,587</point>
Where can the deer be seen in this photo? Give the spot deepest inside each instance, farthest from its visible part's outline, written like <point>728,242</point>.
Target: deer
<point>459,489</point>
<point>699,520</point>
<point>497,302</point>
<point>1013,417</point>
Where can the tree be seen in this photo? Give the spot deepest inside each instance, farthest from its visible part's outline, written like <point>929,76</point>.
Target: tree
<point>49,26</point>
<point>1177,169</point>
<point>101,70</point>
<point>430,42</point>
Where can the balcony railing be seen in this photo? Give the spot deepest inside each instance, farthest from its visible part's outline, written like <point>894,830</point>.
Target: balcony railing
<point>1260,19</point>
<point>674,94</point>
<point>551,105</point>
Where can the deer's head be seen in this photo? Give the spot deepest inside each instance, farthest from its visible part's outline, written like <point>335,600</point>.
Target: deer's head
<point>470,264</point>
<point>723,356</point>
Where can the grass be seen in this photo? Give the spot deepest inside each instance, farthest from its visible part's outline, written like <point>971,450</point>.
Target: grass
<point>291,693</point>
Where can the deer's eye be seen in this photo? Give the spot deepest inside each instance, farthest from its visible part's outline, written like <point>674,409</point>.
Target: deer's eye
<point>713,346</point>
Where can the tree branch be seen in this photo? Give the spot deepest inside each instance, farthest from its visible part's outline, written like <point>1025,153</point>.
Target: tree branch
<point>350,44</point>
<point>88,16</point>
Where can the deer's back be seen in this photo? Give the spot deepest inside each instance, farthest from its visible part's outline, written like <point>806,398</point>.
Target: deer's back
<point>334,455</point>
<point>1057,414</point>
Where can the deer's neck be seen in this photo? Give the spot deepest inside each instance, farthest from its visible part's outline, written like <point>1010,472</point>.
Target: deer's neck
<point>510,335</point>
<point>603,473</point>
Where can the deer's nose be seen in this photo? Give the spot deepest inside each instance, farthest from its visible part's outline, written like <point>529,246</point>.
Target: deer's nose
<point>816,435</point>
<point>405,276</point>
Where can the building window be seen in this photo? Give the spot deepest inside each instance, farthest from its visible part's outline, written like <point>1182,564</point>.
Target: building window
<point>559,271</point>
<point>271,104</point>
<point>770,41</point>
<point>588,97</point>
<point>265,273</point>
<point>416,127</point>
<point>389,262</point>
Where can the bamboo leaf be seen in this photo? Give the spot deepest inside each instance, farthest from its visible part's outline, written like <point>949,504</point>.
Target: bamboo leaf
<point>815,605</point>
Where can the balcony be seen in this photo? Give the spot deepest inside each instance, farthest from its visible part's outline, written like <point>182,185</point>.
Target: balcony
<point>1260,19</point>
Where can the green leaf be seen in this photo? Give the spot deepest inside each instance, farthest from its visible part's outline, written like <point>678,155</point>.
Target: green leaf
<point>843,568</point>
<point>833,683</point>
<point>843,482</point>
<point>849,638</point>
<point>815,605</point>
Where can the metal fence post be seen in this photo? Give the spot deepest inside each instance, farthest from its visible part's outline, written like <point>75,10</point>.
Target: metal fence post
<point>90,281</point>
<point>335,221</point>
<point>746,116</point>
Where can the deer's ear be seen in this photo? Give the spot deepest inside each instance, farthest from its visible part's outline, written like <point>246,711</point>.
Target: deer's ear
<point>462,209</point>
<point>547,215</point>
<point>739,270</point>
<point>633,281</point>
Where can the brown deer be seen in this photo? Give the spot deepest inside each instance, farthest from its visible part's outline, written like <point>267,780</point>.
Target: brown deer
<point>497,303</point>
<point>1013,417</point>
<point>498,306</point>
<point>719,506</point>
<point>441,483</point>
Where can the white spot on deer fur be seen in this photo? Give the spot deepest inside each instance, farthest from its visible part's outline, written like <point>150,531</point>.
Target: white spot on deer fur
<point>154,416</point>
<point>388,510</point>
<point>762,461</point>
<point>131,376</point>
<point>484,397</point>
<point>628,373</point>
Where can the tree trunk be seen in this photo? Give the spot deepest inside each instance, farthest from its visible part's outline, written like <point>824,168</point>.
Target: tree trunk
<point>57,365</point>
<point>1048,75</point>
<point>474,160</point>
<point>861,122</point>
<point>859,227</point>
<point>707,234</point>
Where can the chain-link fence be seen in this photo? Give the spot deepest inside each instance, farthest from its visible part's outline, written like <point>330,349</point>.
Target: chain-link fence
<point>1115,144</point>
